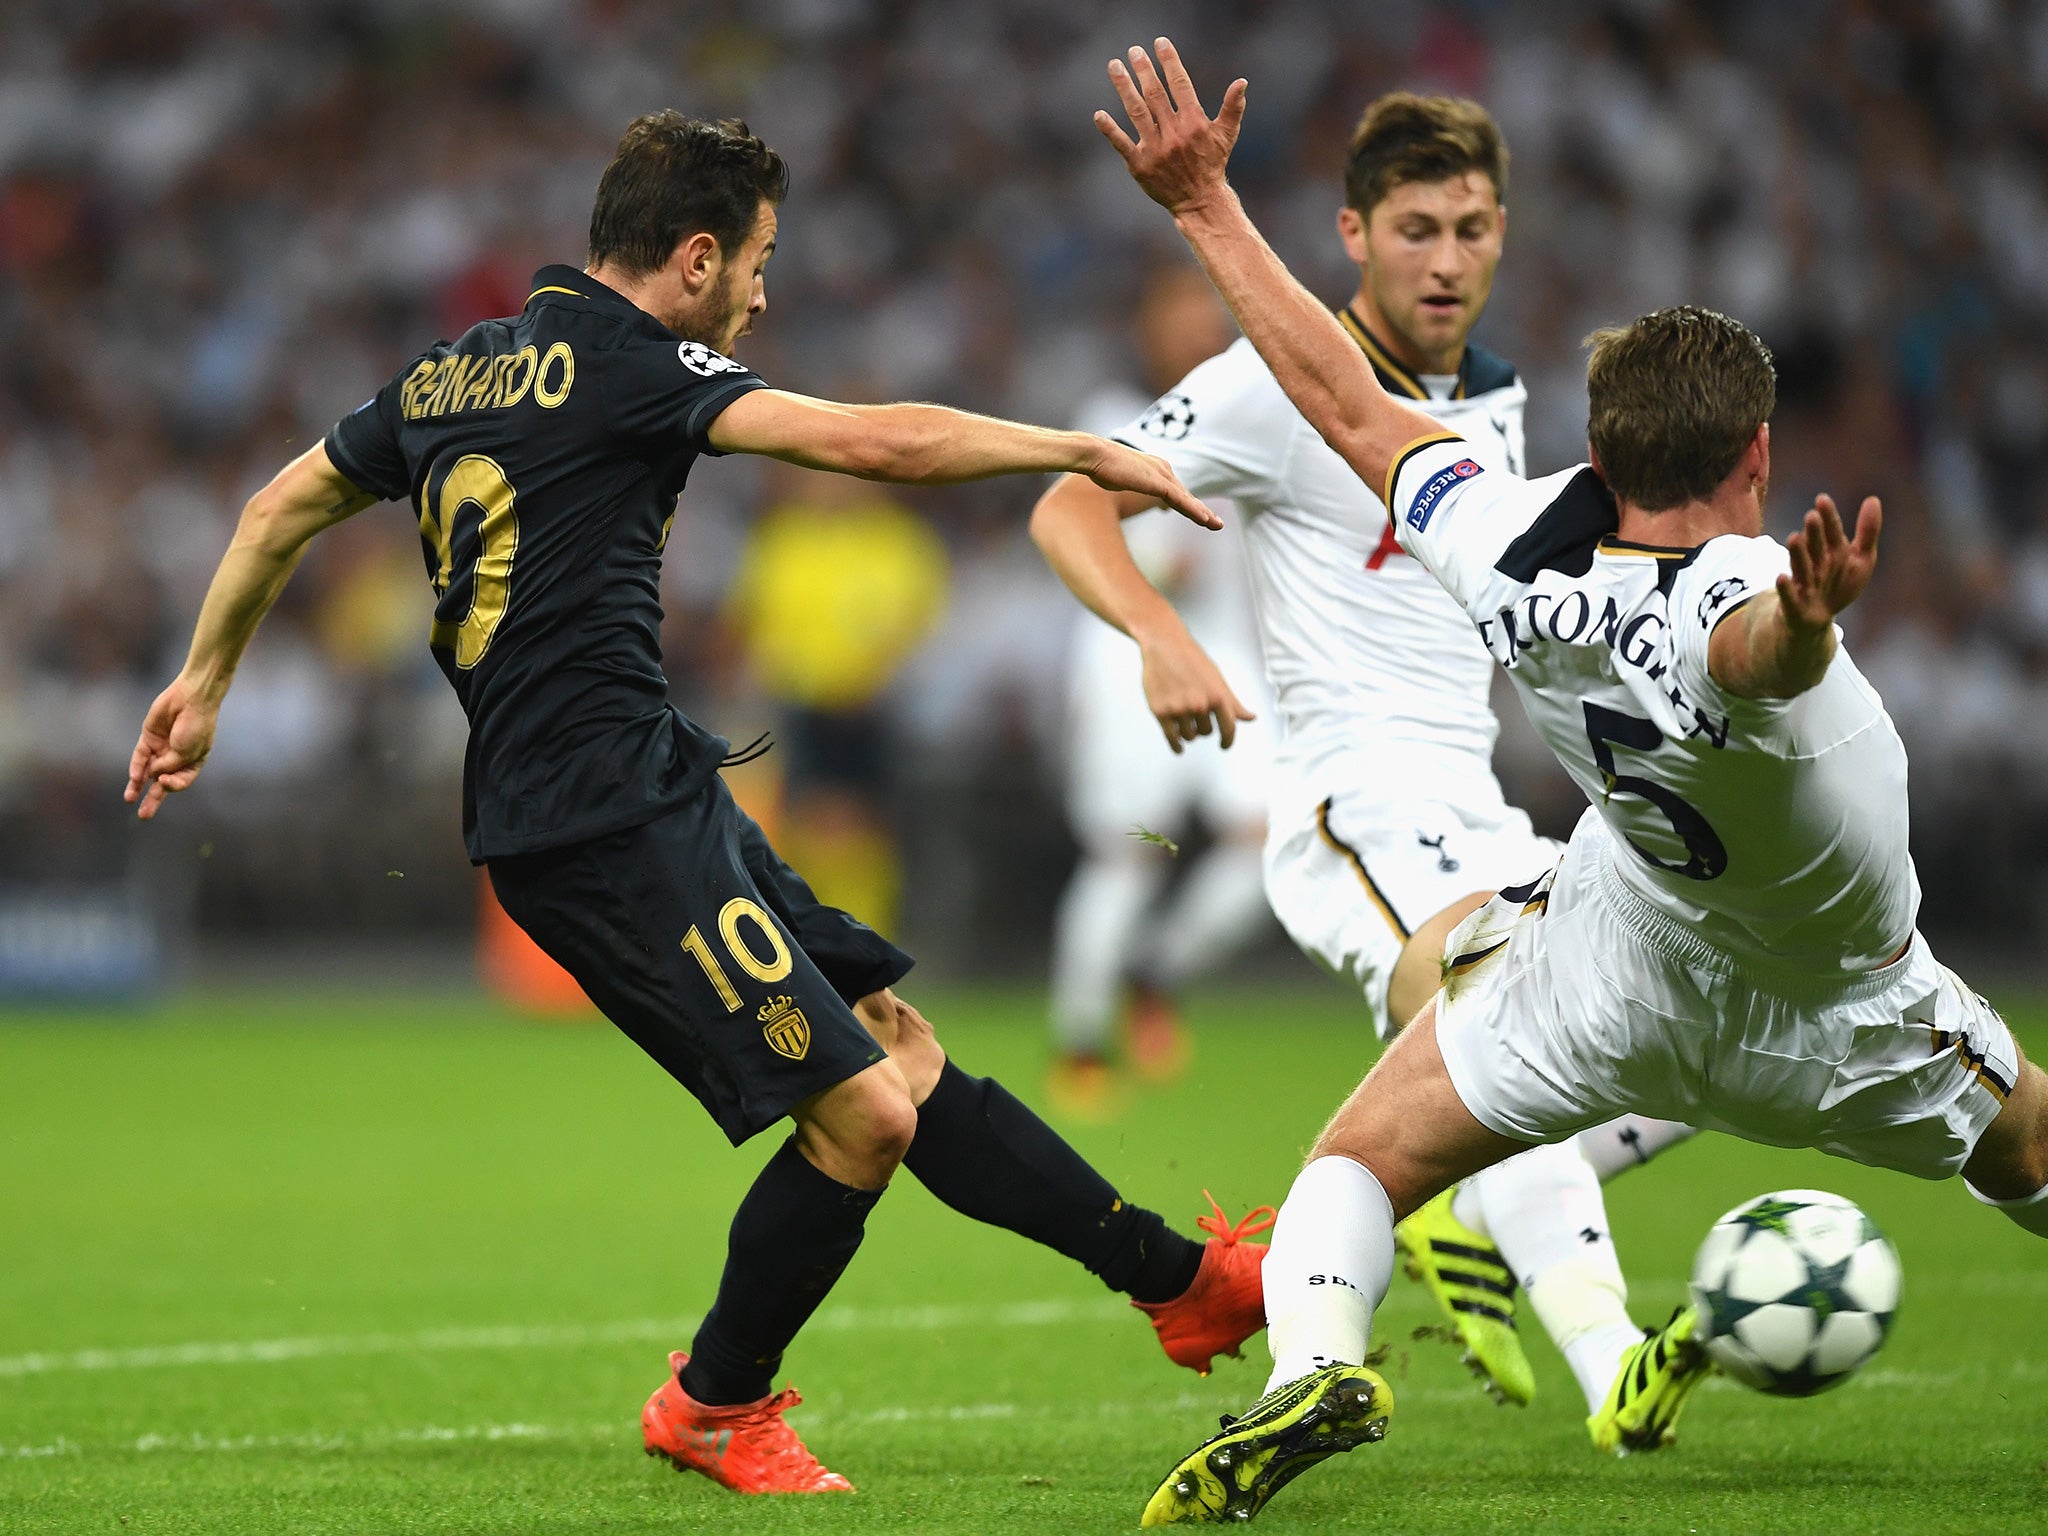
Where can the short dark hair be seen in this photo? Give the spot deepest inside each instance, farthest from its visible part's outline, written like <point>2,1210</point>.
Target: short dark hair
<point>674,176</point>
<point>1673,401</point>
<point>1404,137</point>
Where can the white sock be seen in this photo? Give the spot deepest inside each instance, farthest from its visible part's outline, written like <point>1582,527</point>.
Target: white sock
<point>1595,1359</point>
<point>1544,1211</point>
<point>1629,1142</point>
<point>2029,1213</point>
<point>1092,940</point>
<point>1219,908</point>
<point>1328,1269</point>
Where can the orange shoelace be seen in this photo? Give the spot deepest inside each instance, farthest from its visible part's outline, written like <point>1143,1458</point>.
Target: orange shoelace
<point>773,1438</point>
<point>1216,1224</point>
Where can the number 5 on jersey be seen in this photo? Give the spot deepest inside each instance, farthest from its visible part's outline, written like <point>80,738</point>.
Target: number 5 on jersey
<point>473,481</point>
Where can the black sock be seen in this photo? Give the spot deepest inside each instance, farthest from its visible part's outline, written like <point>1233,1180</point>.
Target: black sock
<point>987,1156</point>
<point>793,1235</point>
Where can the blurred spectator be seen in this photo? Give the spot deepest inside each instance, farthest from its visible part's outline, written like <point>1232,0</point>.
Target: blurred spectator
<point>838,584</point>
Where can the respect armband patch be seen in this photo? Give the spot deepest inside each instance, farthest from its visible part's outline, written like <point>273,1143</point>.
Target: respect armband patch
<point>1432,491</point>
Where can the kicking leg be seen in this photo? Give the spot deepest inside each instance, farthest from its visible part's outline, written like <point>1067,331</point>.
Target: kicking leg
<point>1400,1138</point>
<point>984,1153</point>
<point>1409,1136</point>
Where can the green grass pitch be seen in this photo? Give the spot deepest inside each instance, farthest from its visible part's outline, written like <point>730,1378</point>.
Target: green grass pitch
<point>390,1263</point>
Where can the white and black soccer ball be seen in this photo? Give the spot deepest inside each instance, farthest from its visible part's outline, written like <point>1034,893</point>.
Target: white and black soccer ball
<point>1795,1291</point>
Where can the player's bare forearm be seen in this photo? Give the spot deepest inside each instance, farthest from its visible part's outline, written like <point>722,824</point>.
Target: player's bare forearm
<point>309,494</point>
<point>1755,653</point>
<point>1178,158</point>
<point>915,444</point>
<point>1778,646</point>
<point>1078,527</point>
<point>1324,374</point>
<point>278,522</point>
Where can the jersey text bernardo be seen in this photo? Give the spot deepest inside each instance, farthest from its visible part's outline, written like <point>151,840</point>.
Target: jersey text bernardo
<point>543,454</point>
<point>459,382</point>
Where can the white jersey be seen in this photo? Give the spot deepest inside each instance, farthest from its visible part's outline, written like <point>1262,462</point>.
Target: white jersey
<point>1774,830</point>
<point>1201,572</point>
<point>1378,676</point>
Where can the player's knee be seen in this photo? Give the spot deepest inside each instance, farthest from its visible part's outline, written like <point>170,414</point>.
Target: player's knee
<point>2011,1161</point>
<point>889,1128</point>
<point>860,1130</point>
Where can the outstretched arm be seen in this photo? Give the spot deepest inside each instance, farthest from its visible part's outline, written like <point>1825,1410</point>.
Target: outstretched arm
<point>936,445</point>
<point>1777,648</point>
<point>1179,158</point>
<point>309,494</point>
<point>1079,529</point>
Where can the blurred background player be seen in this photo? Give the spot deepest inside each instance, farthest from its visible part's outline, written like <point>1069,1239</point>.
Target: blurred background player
<point>837,585</point>
<point>1112,950</point>
<point>1388,824</point>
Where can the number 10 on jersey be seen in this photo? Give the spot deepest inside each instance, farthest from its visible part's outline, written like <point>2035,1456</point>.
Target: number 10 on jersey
<point>479,482</point>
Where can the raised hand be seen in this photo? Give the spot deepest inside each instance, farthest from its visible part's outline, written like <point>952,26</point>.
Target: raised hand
<point>1180,152</point>
<point>1829,569</point>
<point>1186,692</point>
<point>177,735</point>
<point>1119,468</point>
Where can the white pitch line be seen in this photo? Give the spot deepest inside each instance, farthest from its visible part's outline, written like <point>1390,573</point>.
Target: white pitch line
<point>933,1319</point>
<point>433,1434</point>
<point>193,1443</point>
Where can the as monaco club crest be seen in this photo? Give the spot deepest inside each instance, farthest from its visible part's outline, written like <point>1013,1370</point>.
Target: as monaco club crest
<point>785,1028</point>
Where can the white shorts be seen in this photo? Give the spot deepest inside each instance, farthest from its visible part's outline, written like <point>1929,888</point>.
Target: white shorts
<point>1352,875</point>
<point>1121,773</point>
<point>1571,1001</point>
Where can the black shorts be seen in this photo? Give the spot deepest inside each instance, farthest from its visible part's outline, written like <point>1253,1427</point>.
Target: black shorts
<point>711,953</point>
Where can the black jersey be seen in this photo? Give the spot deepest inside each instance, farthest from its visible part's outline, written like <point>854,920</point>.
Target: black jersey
<point>543,454</point>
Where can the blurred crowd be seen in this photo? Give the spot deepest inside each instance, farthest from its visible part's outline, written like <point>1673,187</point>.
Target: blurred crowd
<point>224,222</point>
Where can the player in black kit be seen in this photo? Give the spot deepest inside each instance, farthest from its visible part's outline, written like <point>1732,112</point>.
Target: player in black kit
<point>543,454</point>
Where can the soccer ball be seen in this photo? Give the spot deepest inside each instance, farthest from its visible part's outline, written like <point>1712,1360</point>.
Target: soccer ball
<point>1795,1291</point>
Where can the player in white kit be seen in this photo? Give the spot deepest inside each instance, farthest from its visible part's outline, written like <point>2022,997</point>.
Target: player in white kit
<point>1114,950</point>
<point>1730,934</point>
<point>1387,823</point>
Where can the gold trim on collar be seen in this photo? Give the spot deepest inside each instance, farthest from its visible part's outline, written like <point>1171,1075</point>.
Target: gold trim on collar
<point>1378,355</point>
<point>1408,451</point>
<point>1610,545</point>
<point>551,288</point>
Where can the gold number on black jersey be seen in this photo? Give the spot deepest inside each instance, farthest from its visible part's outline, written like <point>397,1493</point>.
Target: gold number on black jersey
<point>473,481</point>
<point>776,966</point>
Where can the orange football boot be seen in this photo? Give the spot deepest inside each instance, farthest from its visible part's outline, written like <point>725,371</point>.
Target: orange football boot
<point>746,1447</point>
<point>1159,1042</point>
<point>1227,1303</point>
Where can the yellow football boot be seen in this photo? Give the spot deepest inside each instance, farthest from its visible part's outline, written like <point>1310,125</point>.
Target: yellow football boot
<point>1655,1379</point>
<point>1476,1290</point>
<point>1230,1476</point>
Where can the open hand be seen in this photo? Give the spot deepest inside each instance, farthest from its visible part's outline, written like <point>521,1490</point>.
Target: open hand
<point>177,734</point>
<point>1186,691</point>
<point>1120,468</point>
<point>1829,569</point>
<point>1180,152</point>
